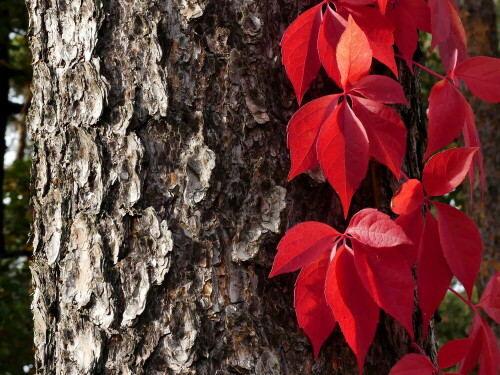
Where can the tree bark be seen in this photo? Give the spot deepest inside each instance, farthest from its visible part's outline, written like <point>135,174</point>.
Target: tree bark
<point>160,191</point>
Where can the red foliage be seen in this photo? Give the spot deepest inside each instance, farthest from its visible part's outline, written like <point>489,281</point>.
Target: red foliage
<point>347,278</point>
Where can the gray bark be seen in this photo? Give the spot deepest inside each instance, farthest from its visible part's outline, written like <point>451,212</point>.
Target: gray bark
<point>160,191</point>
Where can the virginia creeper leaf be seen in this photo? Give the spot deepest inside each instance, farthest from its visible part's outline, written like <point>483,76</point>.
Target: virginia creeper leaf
<point>386,132</point>
<point>461,243</point>
<point>471,139</point>
<point>446,170</point>
<point>413,364</point>
<point>343,153</point>
<point>354,56</point>
<point>303,130</point>
<point>409,198</point>
<point>352,306</point>
<point>433,273</point>
<point>481,75</point>
<point>453,352</point>
<point>456,41</point>
<point>413,226</point>
<point>332,28</point>
<point>376,229</point>
<point>405,32</point>
<point>420,11</point>
<point>302,245</point>
<point>440,21</point>
<point>381,89</point>
<point>388,279</point>
<point>300,50</point>
<point>483,348</point>
<point>490,301</point>
<point>313,314</point>
<point>446,116</point>
<point>379,31</point>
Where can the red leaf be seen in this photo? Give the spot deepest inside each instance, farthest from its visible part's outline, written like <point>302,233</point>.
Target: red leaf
<point>354,56</point>
<point>381,89</point>
<point>490,301</point>
<point>461,242</point>
<point>405,32</point>
<point>471,139</point>
<point>351,304</point>
<point>440,21</point>
<point>446,170</point>
<point>413,364</point>
<point>453,352</point>
<point>409,198</point>
<point>489,360</point>
<point>481,75</point>
<point>300,50</point>
<point>477,336</point>
<point>303,130</point>
<point>386,132</point>
<point>376,229</point>
<point>302,245</point>
<point>446,116</point>
<point>413,226</point>
<point>387,277</point>
<point>456,40</point>
<point>420,12</point>
<point>343,152</point>
<point>379,31</point>
<point>433,273</point>
<point>313,314</point>
<point>332,28</point>
<point>484,348</point>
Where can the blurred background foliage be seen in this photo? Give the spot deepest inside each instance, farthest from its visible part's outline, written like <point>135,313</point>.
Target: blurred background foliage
<point>16,334</point>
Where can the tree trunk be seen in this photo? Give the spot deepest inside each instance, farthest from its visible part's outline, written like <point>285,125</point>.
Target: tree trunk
<point>160,191</point>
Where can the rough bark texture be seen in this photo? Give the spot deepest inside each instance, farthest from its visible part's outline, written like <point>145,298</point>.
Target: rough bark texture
<point>160,192</point>
<point>480,23</point>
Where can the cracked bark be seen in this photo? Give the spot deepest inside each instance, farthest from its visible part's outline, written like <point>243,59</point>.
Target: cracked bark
<point>160,193</point>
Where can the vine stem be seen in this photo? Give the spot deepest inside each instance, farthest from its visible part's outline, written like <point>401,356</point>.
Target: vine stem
<point>462,298</point>
<point>422,67</point>
<point>404,175</point>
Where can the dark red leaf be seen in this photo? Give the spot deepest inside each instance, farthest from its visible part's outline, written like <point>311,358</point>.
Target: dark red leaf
<point>433,273</point>
<point>379,31</point>
<point>332,28</point>
<point>413,364</point>
<point>456,41</point>
<point>440,21</point>
<point>300,50</point>
<point>354,56</point>
<point>381,89</point>
<point>420,12</point>
<point>481,75</point>
<point>446,116</point>
<point>376,229</point>
<point>461,243</point>
<point>490,301</point>
<point>388,279</point>
<point>484,348</point>
<point>386,132</point>
<point>303,130</point>
<point>409,198</point>
<point>446,170</point>
<point>405,32</point>
<point>453,352</point>
<point>343,153</point>
<point>471,139</point>
<point>413,226</point>
<point>313,314</point>
<point>302,245</point>
<point>352,306</point>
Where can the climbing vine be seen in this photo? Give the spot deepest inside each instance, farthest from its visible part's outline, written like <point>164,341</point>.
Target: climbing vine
<point>346,278</point>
